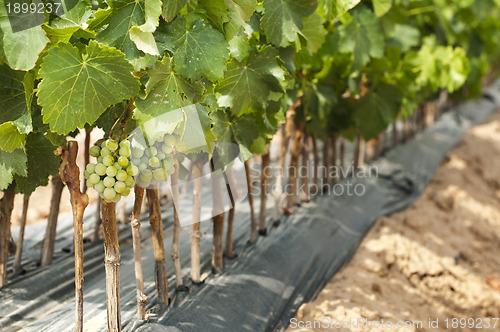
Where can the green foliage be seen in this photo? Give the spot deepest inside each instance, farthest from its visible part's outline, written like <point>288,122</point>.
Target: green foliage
<point>79,85</point>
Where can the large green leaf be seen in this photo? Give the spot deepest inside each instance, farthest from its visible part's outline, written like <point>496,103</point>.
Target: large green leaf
<point>239,12</point>
<point>376,110</point>
<point>364,38</point>
<point>166,91</point>
<point>242,130</point>
<point>283,20</point>
<point>77,87</point>
<point>199,51</point>
<point>128,18</point>
<point>41,163</point>
<point>12,163</point>
<point>247,87</point>
<point>13,101</point>
<point>21,49</point>
<point>314,32</point>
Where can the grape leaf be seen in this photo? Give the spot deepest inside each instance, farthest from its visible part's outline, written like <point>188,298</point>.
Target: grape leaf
<point>77,88</point>
<point>215,12</point>
<point>10,137</point>
<point>381,7</point>
<point>239,12</point>
<point>247,87</point>
<point>12,163</point>
<point>314,32</point>
<point>121,18</point>
<point>239,47</point>
<point>376,110</point>
<point>172,8</point>
<point>333,9</point>
<point>283,20</point>
<point>364,38</point>
<point>21,49</point>
<point>41,163</point>
<point>166,91</point>
<point>108,119</point>
<point>13,103</point>
<point>241,130</point>
<point>200,50</point>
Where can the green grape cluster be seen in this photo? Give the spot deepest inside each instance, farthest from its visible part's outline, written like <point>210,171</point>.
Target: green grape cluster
<point>155,162</point>
<point>113,174</point>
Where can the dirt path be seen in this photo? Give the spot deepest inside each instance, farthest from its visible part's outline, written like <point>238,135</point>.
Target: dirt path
<point>431,260</point>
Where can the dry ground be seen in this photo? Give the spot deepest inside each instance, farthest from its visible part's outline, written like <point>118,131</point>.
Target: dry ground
<point>434,259</point>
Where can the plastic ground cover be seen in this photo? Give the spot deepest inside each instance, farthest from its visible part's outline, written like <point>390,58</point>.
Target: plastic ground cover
<point>265,285</point>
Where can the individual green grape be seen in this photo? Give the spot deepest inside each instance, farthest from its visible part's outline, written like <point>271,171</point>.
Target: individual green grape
<point>137,153</point>
<point>99,187</point>
<point>117,198</point>
<point>89,184</point>
<point>124,151</point>
<point>161,155</point>
<point>121,175</point>
<point>154,162</point>
<point>86,174</point>
<point>170,140</point>
<point>123,161</point>
<point>90,168</point>
<point>100,169</point>
<point>111,144</point>
<point>142,167</point>
<point>105,151</point>
<point>111,171</point>
<point>160,174</point>
<point>118,166</point>
<point>119,186</point>
<point>94,178</point>
<point>151,151</point>
<point>129,181</point>
<point>108,181</point>
<point>125,143</point>
<point>146,175</point>
<point>166,149</point>
<point>126,192</point>
<point>95,151</point>
<point>109,193</point>
<point>108,160</point>
<point>170,169</point>
<point>100,159</point>
<point>132,170</point>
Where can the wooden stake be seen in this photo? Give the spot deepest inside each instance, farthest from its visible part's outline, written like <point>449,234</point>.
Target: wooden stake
<point>316,162</point>
<point>70,176</point>
<point>306,151</point>
<point>264,188</point>
<point>47,253</point>
<point>292,196</point>
<point>6,207</point>
<point>177,230</point>
<point>195,228</point>
<point>253,220</point>
<point>18,269</point>
<point>135,224</point>
<point>158,245</point>
<point>286,131</point>
<point>326,160</point>
<point>333,159</point>
<point>111,265</point>
<point>230,253</point>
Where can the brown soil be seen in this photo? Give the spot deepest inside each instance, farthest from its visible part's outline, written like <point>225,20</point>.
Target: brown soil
<point>438,259</point>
